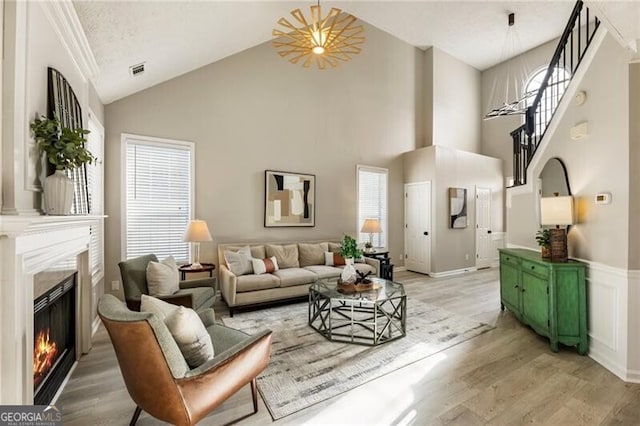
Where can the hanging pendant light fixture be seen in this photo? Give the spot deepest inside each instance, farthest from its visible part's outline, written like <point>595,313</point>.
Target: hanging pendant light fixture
<point>512,103</point>
<point>323,41</point>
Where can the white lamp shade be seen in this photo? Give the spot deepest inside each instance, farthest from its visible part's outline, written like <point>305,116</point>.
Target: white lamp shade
<point>197,231</point>
<point>371,226</point>
<point>556,210</point>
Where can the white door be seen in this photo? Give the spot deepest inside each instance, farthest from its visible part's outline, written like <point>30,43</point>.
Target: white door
<point>483,228</point>
<point>417,233</point>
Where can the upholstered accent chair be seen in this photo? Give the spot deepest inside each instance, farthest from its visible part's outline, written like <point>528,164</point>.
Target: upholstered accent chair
<point>196,294</point>
<point>159,379</point>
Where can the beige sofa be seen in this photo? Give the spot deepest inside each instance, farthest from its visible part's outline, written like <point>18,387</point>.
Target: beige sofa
<point>299,269</point>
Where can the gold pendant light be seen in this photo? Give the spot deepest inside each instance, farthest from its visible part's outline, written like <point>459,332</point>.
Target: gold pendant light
<point>323,40</point>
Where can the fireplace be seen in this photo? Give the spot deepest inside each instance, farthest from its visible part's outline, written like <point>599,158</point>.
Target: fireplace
<point>32,247</point>
<point>54,329</point>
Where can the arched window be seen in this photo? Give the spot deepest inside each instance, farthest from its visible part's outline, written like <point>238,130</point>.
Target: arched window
<point>551,97</point>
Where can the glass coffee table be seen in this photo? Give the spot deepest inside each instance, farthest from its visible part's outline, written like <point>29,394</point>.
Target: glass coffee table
<point>367,318</point>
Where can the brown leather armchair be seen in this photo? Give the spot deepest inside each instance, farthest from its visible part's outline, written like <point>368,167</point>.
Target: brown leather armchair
<point>157,376</point>
<point>197,294</point>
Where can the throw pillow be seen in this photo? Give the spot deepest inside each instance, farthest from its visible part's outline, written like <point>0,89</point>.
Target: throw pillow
<point>163,277</point>
<point>312,254</point>
<point>333,259</point>
<point>239,262</point>
<point>190,334</point>
<point>264,266</point>
<point>153,305</point>
<point>287,256</point>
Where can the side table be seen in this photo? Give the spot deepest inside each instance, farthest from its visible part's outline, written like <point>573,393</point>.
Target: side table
<point>386,267</point>
<point>187,269</point>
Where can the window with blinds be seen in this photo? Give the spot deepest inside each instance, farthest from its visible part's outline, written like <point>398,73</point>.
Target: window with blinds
<point>372,202</point>
<point>95,187</point>
<point>158,185</point>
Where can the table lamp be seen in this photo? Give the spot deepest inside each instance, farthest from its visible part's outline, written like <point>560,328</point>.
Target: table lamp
<point>197,232</point>
<point>557,211</point>
<point>371,226</point>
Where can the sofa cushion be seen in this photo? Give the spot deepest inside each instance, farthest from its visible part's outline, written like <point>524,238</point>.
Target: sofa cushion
<point>323,271</point>
<point>239,262</point>
<point>256,282</point>
<point>264,266</point>
<point>334,247</point>
<point>190,334</point>
<point>295,276</point>
<point>287,256</point>
<point>363,268</point>
<point>312,254</point>
<point>256,251</point>
<point>163,277</point>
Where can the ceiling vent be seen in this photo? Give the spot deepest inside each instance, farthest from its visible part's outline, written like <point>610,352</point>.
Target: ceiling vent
<point>136,69</point>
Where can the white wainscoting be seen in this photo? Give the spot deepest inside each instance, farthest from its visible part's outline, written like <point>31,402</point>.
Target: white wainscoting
<point>497,242</point>
<point>607,290</point>
<point>633,371</point>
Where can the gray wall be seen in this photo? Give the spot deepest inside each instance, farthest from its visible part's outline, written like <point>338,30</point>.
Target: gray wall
<point>634,170</point>
<point>452,102</point>
<point>595,164</point>
<point>255,111</point>
<point>445,168</point>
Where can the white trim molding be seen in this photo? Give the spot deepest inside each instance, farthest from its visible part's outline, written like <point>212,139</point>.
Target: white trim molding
<point>452,272</point>
<point>64,19</point>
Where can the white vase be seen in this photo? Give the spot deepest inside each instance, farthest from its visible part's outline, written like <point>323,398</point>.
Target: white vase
<point>58,194</point>
<point>349,261</point>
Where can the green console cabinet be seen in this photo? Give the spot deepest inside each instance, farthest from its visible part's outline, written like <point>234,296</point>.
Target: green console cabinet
<point>549,297</point>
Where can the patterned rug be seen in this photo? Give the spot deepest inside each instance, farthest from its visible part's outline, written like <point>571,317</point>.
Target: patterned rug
<point>306,368</point>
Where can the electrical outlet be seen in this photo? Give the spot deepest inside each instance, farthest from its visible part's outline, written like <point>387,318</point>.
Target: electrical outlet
<point>115,285</point>
<point>466,256</point>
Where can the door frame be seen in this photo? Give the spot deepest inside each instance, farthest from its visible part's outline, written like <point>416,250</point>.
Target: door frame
<point>431,213</point>
<point>489,260</point>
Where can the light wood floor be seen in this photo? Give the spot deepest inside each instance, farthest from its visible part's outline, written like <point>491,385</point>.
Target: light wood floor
<point>507,376</point>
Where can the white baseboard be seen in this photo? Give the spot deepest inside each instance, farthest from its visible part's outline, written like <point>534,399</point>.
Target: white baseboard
<point>453,272</point>
<point>399,269</point>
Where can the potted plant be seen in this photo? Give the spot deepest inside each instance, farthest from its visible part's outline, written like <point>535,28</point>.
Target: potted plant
<point>65,150</point>
<point>349,249</point>
<point>543,238</point>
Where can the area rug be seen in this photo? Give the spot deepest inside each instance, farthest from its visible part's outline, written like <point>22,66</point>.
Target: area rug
<point>306,369</point>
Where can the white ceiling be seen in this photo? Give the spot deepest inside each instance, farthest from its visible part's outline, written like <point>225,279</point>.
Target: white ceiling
<point>174,37</point>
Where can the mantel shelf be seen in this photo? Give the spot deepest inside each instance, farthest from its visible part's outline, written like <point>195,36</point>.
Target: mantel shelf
<point>13,225</point>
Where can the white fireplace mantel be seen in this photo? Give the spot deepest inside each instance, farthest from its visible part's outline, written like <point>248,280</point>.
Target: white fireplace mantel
<point>28,245</point>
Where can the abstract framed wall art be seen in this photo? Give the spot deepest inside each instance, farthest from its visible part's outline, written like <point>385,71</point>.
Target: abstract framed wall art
<point>289,199</point>
<point>458,208</point>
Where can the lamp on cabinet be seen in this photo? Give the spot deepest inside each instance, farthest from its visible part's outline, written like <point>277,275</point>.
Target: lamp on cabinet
<point>557,211</point>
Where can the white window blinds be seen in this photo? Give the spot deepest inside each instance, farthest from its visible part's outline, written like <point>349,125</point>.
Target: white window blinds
<point>372,202</point>
<point>95,187</point>
<point>158,197</point>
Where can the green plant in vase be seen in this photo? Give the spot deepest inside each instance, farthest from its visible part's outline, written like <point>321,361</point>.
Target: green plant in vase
<point>543,238</point>
<point>349,248</point>
<point>64,149</point>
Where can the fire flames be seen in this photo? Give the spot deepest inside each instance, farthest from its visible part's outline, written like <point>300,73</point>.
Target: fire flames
<point>44,354</point>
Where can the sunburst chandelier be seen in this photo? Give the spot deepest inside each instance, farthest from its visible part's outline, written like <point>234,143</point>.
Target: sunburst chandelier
<point>325,41</point>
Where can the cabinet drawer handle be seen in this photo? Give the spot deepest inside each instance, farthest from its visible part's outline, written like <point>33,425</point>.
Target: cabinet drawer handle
<point>523,289</point>
<point>508,258</point>
<point>533,267</point>
<point>516,286</point>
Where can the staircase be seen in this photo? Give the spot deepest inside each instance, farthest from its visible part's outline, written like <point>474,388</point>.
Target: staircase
<point>573,44</point>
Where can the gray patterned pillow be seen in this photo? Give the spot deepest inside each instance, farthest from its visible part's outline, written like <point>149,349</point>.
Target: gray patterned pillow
<point>239,262</point>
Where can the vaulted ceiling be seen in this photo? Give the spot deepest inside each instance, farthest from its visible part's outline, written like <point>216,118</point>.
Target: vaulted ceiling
<point>175,37</point>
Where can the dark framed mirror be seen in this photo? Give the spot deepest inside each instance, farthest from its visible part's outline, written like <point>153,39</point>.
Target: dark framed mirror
<point>553,178</point>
